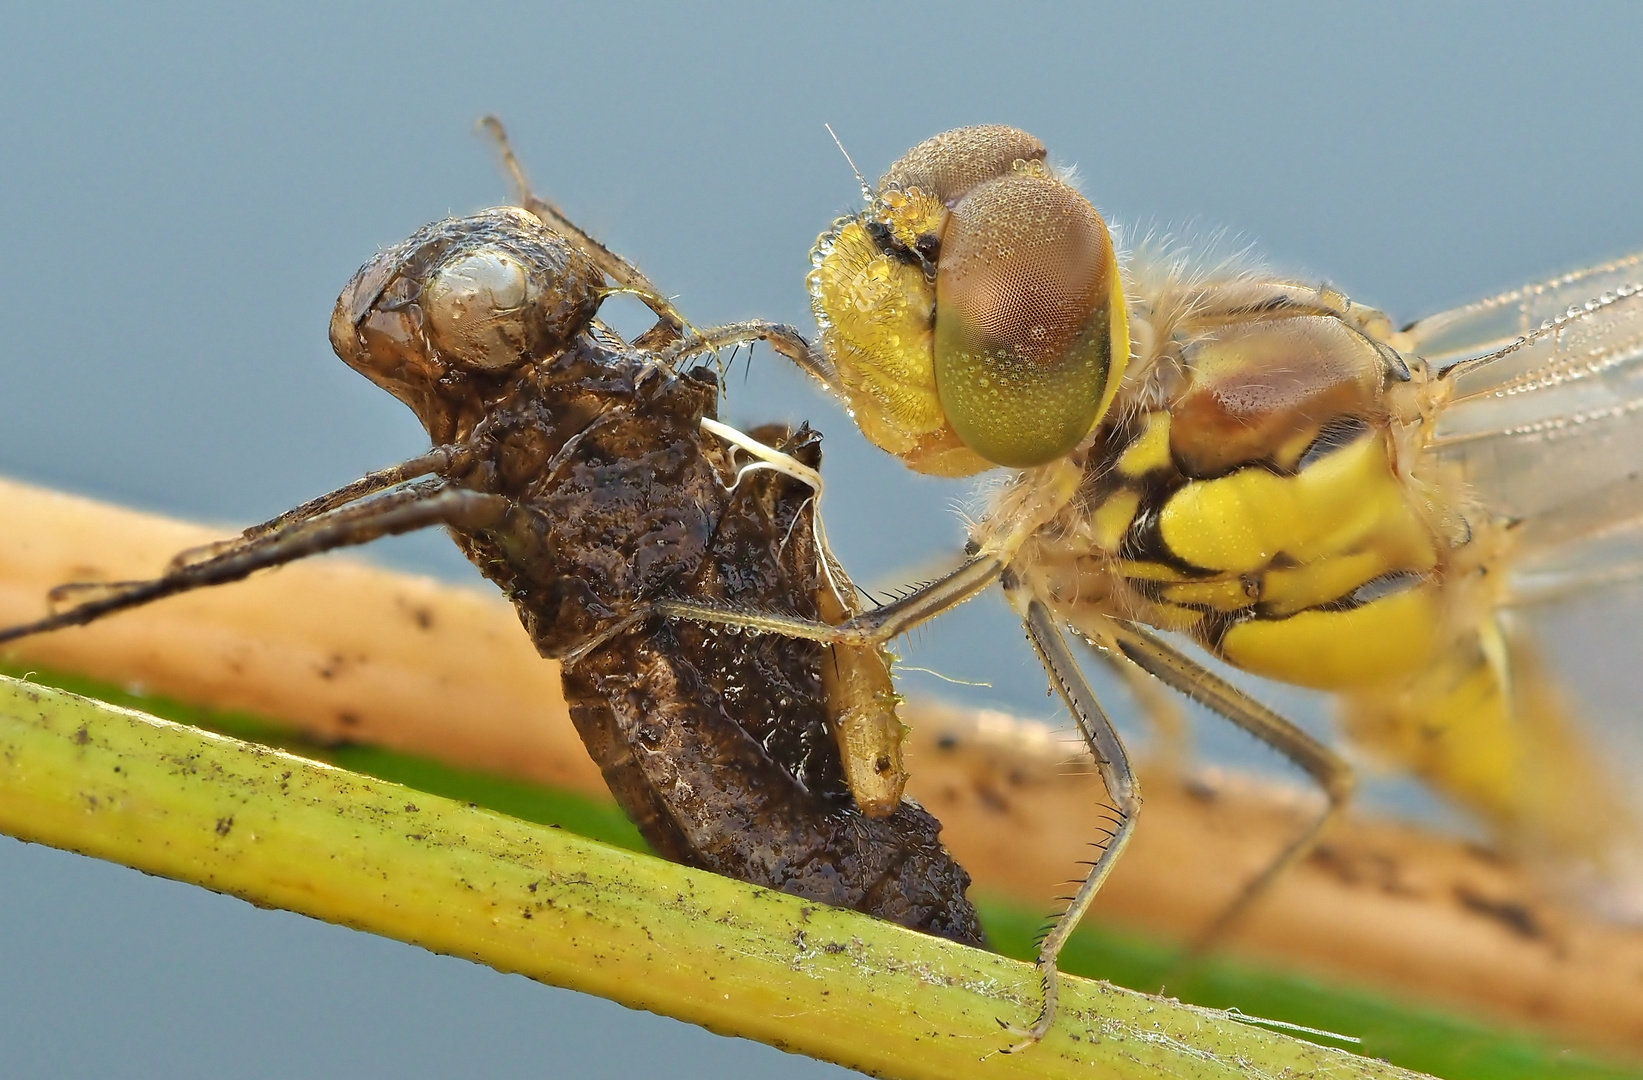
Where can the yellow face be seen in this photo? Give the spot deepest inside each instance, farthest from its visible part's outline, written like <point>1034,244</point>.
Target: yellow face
<point>973,310</point>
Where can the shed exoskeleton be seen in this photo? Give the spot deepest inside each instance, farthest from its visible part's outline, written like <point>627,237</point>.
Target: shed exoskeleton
<point>589,478</point>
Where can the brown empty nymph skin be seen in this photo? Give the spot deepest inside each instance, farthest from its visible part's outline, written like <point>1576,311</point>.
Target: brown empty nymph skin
<point>575,472</point>
<point>715,744</point>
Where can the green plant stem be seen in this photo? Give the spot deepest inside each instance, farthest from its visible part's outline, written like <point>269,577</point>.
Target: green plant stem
<point>283,831</point>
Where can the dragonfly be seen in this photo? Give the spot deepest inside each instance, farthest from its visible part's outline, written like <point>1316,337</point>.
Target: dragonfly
<point>586,477</point>
<point>1194,458</point>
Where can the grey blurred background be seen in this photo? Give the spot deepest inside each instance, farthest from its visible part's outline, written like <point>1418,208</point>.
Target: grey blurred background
<point>184,190</point>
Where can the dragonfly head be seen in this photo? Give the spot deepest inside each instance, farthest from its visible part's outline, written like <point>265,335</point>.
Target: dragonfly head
<point>974,309</point>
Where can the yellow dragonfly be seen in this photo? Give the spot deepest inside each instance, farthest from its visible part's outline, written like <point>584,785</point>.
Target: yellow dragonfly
<point>1256,465</point>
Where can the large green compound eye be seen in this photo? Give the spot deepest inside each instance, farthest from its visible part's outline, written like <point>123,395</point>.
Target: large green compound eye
<point>1027,293</point>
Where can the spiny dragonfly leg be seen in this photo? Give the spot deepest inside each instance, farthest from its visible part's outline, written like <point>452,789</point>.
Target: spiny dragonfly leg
<point>861,697</point>
<point>1122,787</point>
<point>413,508</point>
<point>628,277</point>
<point>1163,709</point>
<point>872,628</point>
<point>784,339</point>
<point>1327,768</point>
<point>436,461</point>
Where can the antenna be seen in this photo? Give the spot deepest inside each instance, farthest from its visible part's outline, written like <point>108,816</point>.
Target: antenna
<point>866,192</point>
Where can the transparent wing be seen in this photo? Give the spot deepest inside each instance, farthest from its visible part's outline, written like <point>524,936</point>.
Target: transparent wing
<point>1542,414</point>
<point>1487,326</point>
<point>1536,400</point>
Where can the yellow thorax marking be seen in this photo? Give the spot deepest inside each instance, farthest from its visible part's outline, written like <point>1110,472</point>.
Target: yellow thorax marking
<point>1348,501</point>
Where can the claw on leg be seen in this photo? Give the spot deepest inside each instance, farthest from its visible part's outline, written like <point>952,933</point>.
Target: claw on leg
<point>1029,1037</point>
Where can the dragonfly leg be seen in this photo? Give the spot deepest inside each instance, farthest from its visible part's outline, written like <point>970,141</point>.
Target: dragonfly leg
<point>437,461</point>
<point>628,278</point>
<point>1114,766</point>
<point>1163,661</point>
<point>1163,711</point>
<point>686,340</point>
<point>786,340</point>
<point>861,697</point>
<point>872,628</point>
<point>397,512</point>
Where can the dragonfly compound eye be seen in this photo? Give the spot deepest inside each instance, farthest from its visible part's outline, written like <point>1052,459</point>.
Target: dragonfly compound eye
<point>475,307</point>
<point>973,311</point>
<point>950,164</point>
<point>1029,316</point>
